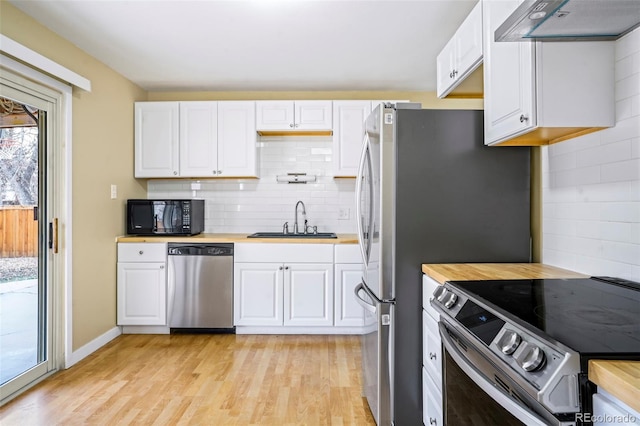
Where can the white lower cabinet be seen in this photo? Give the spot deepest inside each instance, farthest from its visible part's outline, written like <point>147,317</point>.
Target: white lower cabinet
<point>609,411</point>
<point>348,313</point>
<point>283,285</point>
<point>432,402</point>
<point>275,294</point>
<point>141,284</point>
<point>258,294</point>
<point>308,294</point>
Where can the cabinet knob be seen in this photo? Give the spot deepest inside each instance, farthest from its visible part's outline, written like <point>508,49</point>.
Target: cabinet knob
<point>432,421</point>
<point>523,118</point>
<point>140,252</point>
<point>215,171</point>
<point>286,268</point>
<point>161,266</point>
<point>281,268</point>
<point>291,125</point>
<point>175,173</point>
<point>219,172</point>
<point>451,74</point>
<point>432,355</point>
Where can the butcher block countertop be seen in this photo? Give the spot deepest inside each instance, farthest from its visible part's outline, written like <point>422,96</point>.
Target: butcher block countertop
<point>238,238</point>
<point>619,378</point>
<point>494,271</point>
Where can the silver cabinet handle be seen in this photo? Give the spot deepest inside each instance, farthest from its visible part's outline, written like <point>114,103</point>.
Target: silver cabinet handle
<point>291,125</point>
<point>286,268</point>
<point>432,355</point>
<point>175,173</point>
<point>214,172</point>
<point>432,421</point>
<point>219,172</point>
<point>161,266</point>
<point>281,268</point>
<point>523,118</point>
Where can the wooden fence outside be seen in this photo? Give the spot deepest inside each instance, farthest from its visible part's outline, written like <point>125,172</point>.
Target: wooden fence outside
<point>18,232</point>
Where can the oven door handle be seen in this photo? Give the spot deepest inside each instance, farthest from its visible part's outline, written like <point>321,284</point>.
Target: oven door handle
<point>505,400</point>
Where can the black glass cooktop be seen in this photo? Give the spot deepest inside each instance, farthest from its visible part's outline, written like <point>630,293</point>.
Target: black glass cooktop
<point>589,315</point>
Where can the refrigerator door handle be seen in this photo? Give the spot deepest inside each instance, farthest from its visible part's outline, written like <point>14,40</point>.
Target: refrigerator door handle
<point>366,305</point>
<point>359,178</point>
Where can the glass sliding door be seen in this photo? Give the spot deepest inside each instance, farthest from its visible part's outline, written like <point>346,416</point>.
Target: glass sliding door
<point>26,339</point>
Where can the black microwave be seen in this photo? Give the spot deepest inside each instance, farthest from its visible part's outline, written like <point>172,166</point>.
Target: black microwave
<point>165,217</point>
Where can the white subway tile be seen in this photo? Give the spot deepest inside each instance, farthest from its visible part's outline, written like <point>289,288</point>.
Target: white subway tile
<point>621,171</point>
<point>627,45</point>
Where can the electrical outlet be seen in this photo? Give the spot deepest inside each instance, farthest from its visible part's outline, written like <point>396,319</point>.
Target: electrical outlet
<point>343,214</point>
<point>114,192</point>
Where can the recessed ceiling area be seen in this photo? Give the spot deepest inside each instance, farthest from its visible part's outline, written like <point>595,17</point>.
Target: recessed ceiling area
<point>268,45</point>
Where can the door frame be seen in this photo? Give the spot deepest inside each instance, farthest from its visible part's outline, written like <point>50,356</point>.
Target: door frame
<point>60,160</point>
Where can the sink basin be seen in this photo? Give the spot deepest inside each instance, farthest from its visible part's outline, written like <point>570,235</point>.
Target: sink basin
<point>282,235</point>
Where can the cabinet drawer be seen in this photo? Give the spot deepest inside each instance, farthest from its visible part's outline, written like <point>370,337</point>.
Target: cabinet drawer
<point>266,252</point>
<point>431,402</point>
<point>429,285</point>
<point>347,253</point>
<point>432,349</point>
<point>142,252</point>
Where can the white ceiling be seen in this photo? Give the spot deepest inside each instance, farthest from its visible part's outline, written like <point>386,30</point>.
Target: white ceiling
<point>271,45</point>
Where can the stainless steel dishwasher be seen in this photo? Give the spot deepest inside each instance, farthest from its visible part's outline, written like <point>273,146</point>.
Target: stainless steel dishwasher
<point>200,287</point>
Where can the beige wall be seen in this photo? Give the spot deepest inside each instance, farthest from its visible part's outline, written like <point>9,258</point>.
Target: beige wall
<point>102,155</point>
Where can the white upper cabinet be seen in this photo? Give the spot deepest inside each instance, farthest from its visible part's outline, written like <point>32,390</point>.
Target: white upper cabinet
<point>462,54</point>
<point>195,139</point>
<point>156,139</point>
<point>288,116</point>
<point>537,93</point>
<point>198,139</point>
<point>348,133</point>
<point>237,139</point>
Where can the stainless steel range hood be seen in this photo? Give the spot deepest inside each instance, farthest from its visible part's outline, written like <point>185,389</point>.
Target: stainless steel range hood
<point>570,20</point>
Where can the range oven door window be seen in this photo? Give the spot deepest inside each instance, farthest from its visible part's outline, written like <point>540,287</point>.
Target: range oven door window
<point>476,393</point>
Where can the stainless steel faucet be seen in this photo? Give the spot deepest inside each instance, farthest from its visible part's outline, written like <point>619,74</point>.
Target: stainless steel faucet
<point>304,212</point>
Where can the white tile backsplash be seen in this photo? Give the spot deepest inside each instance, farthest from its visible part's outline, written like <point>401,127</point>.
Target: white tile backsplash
<point>591,186</point>
<point>250,205</point>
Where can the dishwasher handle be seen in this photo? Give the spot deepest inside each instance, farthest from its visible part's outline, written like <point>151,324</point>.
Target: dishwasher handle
<point>177,249</point>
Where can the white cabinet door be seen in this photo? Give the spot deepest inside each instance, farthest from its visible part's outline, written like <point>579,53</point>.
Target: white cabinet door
<point>156,139</point>
<point>141,293</point>
<point>198,139</point>
<point>462,54</point>
<point>274,115</point>
<point>313,115</point>
<point>509,78</point>
<point>258,294</point>
<point>347,311</point>
<point>237,139</point>
<point>293,115</point>
<point>308,294</point>
<point>469,52</point>
<point>348,134</point>
<point>432,407</point>
<point>445,64</point>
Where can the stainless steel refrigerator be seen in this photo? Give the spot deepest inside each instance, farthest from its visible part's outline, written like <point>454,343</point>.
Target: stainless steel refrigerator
<point>428,191</point>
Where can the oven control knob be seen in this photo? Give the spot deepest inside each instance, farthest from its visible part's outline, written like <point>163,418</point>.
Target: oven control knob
<point>509,342</point>
<point>450,300</point>
<point>532,359</point>
<point>440,293</point>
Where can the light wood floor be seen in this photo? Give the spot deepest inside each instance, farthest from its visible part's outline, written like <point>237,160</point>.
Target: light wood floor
<point>203,380</point>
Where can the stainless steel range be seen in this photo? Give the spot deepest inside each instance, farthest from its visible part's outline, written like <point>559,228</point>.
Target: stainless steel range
<point>524,346</point>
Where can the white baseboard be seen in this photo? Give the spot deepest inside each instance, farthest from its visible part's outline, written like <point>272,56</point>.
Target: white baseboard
<point>92,346</point>
<point>298,330</point>
<point>145,329</point>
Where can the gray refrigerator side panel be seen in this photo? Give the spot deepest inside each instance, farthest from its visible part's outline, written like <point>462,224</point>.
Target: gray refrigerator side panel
<point>456,201</point>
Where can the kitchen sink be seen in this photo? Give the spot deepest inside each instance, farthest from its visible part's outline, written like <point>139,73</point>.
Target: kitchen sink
<point>290,235</point>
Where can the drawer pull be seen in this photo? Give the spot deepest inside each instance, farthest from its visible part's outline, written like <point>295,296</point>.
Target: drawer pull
<point>141,252</point>
<point>432,421</point>
<point>432,355</point>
